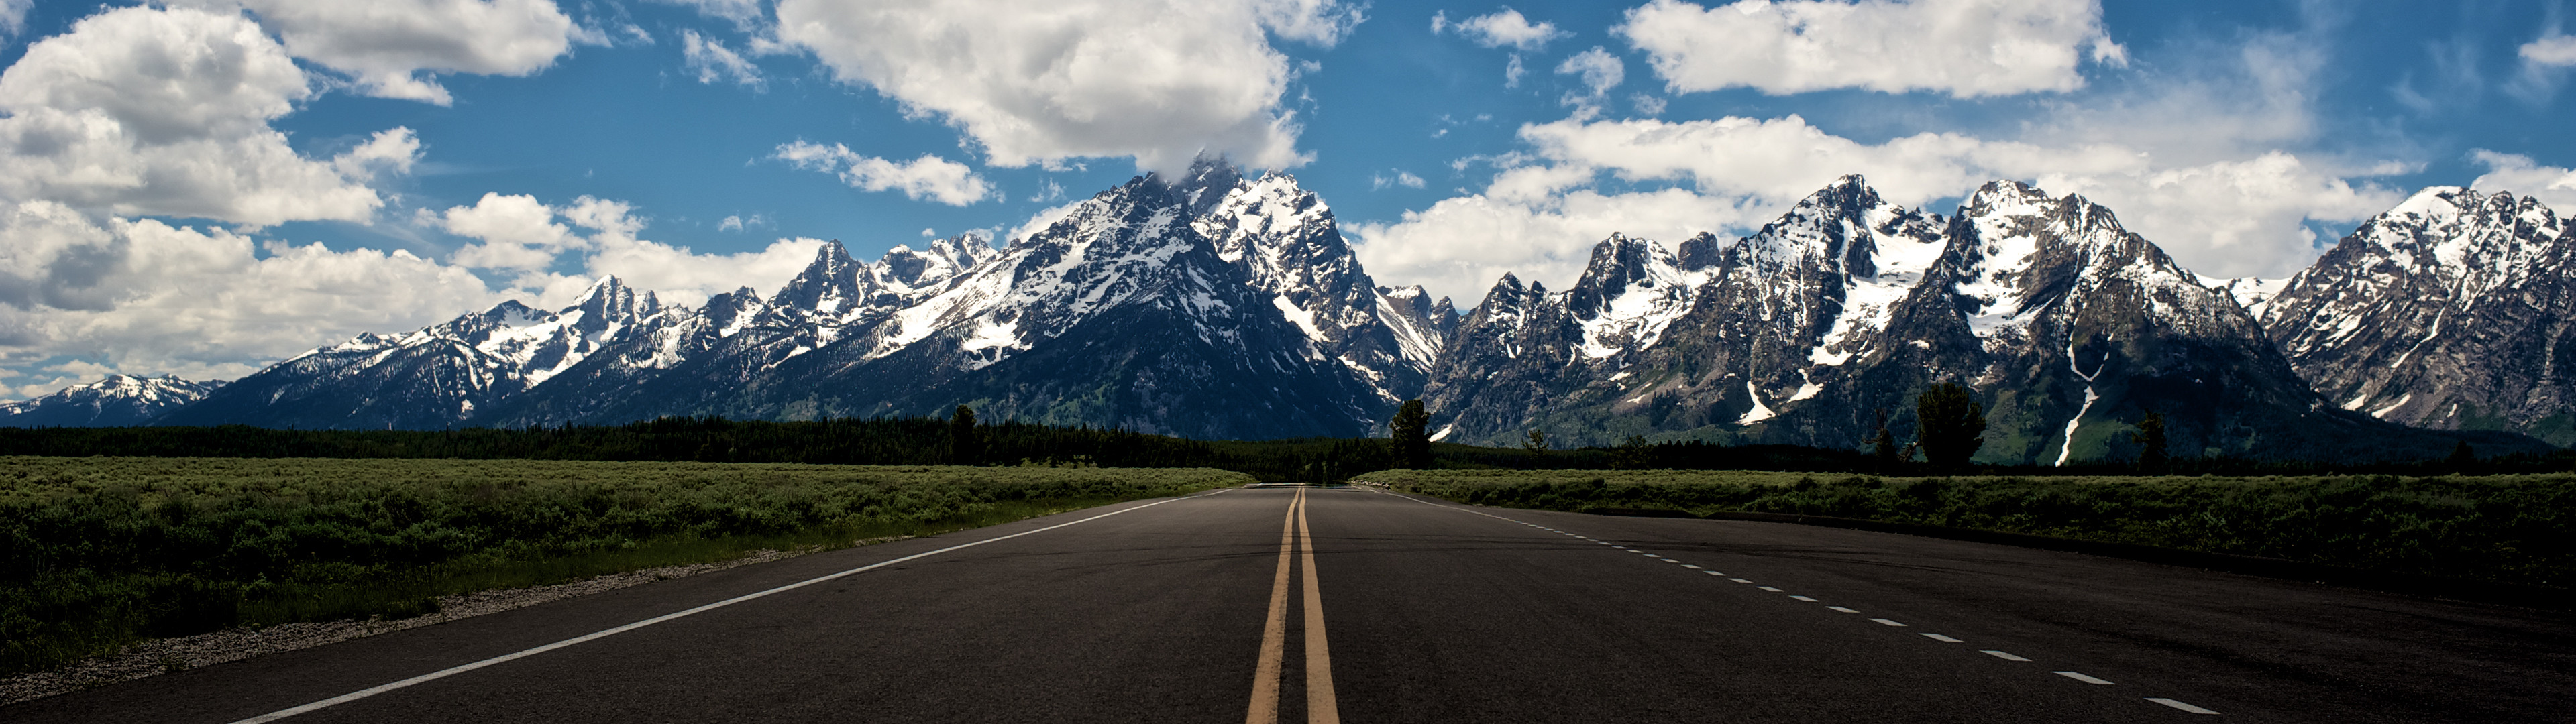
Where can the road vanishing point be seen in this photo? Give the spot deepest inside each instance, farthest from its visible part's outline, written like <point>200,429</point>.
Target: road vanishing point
<point>1284,604</point>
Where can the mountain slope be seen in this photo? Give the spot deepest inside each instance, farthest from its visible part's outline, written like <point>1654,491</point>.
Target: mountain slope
<point>2068,327</point>
<point>115,401</point>
<point>2453,310</point>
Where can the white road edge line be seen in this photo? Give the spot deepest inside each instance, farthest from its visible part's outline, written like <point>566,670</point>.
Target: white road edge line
<point>2179,705</point>
<point>505,658</point>
<point>2082,678</point>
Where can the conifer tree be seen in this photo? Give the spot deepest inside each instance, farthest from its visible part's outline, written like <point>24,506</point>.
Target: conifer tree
<point>965,447</point>
<point>2150,438</point>
<point>1537,441</point>
<point>1948,424</point>
<point>1412,442</point>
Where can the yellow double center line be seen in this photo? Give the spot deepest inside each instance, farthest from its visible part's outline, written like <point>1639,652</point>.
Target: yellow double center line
<point>1294,537</point>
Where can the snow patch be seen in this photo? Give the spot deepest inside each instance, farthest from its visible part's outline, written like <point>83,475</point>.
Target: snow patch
<point>1759,412</point>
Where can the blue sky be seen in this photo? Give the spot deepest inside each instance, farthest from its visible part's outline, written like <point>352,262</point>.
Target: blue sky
<point>207,186</point>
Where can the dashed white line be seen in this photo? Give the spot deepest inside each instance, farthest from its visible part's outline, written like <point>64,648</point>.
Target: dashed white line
<point>1689,566</point>
<point>2179,705</point>
<point>1886,622</point>
<point>1942,638</point>
<point>1844,610</point>
<point>1739,580</point>
<point>2082,678</point>
<point>1668,560</point>
<point>2004,656</point>
<point>1713,573</point>
<point>1768,588</point>
<point>1804,598</point>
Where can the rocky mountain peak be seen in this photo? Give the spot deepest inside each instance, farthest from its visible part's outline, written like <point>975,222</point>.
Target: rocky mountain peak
<point>833,283</point>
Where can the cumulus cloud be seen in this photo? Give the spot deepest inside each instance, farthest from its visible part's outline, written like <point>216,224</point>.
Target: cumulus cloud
<point>2554,50</point>
<point>1505,27</point>
<point>520,234</point>
<point>1966,48</point>
<point>712,62</point>
<point>393,48</point>
<point>1598,70</point>
<point>147,111</point>
<point>929,176</point>
<point>145,297</point>
<point>1041,81</point>
<point>2521,175</point>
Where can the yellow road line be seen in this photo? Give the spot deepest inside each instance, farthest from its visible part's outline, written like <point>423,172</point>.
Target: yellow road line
<point>1274,634</point>
<point>1320,707</point>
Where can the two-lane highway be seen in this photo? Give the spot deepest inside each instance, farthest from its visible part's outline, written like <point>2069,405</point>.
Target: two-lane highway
<point>1351,604</point>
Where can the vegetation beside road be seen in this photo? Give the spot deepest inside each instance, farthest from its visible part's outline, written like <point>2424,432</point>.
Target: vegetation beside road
<point>99,552</point>
<point>2506,528</point>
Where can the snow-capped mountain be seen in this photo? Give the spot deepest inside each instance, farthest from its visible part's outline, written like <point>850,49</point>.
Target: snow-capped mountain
<point>116,400</point>
<point>2451,311</point>
<point>439,376</point>
<point>2068,326</point>
<point>1219,306</point>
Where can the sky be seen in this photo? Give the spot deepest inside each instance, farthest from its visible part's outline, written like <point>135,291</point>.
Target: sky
<point>206,187</point>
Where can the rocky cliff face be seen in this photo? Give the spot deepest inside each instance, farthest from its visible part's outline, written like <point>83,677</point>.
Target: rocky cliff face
<point>2452,311</point>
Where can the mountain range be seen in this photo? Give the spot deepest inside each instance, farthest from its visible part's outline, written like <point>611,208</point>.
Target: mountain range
<point>1216,305</point>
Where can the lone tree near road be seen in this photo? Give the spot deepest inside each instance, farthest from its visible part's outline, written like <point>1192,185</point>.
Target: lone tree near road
<point>1412,444</point>
<point>1948,423</point>
<point>964,447</point>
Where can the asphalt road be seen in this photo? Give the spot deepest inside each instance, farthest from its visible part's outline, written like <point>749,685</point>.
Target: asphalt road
<point>1417,611</point>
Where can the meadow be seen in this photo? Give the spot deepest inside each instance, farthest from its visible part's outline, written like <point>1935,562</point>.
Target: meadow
<point>100,552</point>
<point>2518,529</point>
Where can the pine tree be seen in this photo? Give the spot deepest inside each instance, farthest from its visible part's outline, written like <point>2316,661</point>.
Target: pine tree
<point>1537,441</point>
<point>1948,424</point>
<point>2150,438</point>
<point>965,447</point>
<point>2462,456</point>
<point>1412,443</point>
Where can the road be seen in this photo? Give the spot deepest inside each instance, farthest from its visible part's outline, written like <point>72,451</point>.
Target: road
<point>1364,606</point>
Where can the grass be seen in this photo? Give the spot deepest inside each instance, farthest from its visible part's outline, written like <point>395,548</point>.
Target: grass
<point>97,553</point>
<point>2506,528</point>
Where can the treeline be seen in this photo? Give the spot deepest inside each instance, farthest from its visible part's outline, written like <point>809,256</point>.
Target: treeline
<point>933,441</point>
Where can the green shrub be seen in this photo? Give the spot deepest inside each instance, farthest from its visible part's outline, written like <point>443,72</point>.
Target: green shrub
<point>99,552</point>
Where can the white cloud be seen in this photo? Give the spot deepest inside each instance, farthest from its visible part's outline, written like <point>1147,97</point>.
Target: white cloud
<point>2554,50</point>
<point>743,13</point>
<point>1500,28</point>
<point>739,223</point>
<point>1401,178</point>
<point>1599,70</point>
<point>13,16</point>
<point>392,47</point>
<point>1041,81</point>
<point>1967,48</point>
<point>680,275</point>
<point>1512,72</point>
<point>712,62</point>
<point>2517,173</point>
<point>145,297</point>
<point>515,233</point>
<point>146,111</point>
<point>939,179</point>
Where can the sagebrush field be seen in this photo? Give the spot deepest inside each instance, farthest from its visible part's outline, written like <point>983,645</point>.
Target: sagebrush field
<point>99,552</point>
<point>2507,528</point>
